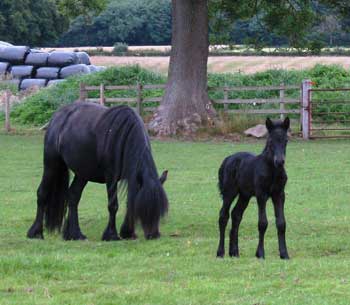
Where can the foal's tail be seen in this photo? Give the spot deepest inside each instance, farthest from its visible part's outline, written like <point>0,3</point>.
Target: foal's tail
<point>55,206</point>
<point>227,173</point>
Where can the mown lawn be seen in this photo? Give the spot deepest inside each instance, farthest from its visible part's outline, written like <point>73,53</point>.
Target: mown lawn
<point>181,267</point>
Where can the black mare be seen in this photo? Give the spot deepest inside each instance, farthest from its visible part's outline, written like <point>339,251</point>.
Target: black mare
<point>262,176</point>
<point>103,145</point>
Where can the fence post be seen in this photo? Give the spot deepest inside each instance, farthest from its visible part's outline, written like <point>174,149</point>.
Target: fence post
<point>82,92</point>
<point>139,98</point>
<point>225,99</point>
<point>102,94</point>
<point>7,96</point>
<point>282,104</point>
<point>305,108</point>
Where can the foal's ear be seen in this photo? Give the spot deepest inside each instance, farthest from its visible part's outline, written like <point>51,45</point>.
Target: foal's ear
<point>269,124</point>
<point>286,123</point>
<point>163,177</point>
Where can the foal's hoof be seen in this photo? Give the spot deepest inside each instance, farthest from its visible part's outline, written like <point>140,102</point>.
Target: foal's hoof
<point>35,232</point>
<point>220,253</point>
<point>284,256</point>
<point>234,253</point>
<point>109,235</point>
<point>259,255</point>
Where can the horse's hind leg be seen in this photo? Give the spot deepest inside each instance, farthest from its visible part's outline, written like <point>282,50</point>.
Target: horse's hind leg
<point>36,230</point>
<point>278,203</point>
<point>110,232</point>
<point>236,217</point>
<point>223,219</point>
<point>71,229</point>
<point>262,225</point>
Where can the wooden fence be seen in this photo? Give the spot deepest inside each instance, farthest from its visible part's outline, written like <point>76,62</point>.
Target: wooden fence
<point>6,96</point>
<point>139,100</point>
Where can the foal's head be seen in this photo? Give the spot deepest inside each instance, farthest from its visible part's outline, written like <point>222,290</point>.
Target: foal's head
<point>277,141</point>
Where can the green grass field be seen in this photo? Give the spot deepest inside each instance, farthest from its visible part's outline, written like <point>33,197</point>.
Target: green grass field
<point>181,267</point>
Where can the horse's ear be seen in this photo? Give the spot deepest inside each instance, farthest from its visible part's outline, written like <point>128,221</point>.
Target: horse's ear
<point>269,124</point>
<point>163,177</point>
<point>286,123</point>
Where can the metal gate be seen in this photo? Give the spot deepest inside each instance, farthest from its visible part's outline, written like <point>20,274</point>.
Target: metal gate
<point>329,113</point>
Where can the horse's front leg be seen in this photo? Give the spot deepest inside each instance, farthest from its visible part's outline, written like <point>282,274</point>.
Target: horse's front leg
<point>110,233</point>
<point>127,230</point>
<point>278,203</point>
<point>262,225</point>
<point>71,229</point>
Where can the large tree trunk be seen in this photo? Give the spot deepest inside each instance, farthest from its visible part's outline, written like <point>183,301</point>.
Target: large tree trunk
<point>186,105</point>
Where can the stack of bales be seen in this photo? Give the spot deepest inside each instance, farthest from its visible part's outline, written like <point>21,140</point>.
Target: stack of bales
<point>29,67</point>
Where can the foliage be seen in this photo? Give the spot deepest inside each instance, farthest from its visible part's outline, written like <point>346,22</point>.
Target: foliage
<point>120,48</point>
<point>30,22</point>
<point>39,107</point>
<point>133,22</point>
<point>86,8</point>
<point>181,267</point>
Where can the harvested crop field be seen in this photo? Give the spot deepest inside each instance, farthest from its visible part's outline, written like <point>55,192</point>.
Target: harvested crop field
<point>227,64</point>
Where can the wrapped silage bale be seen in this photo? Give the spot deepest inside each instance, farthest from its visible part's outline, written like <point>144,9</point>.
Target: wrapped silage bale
<point>54,82</point>
<point>5,44</point>
<point>4,67</point>
<point>94,68</point>
<point>83,58</point>
<point>37,58</point>
<point>62,59</point>
<point>22,71</point>
<point>74,70</point>
<point>32,82</point>
<point>14,55</point>
<point>47,72</point>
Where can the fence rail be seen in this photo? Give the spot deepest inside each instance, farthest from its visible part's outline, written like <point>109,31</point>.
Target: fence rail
<point>5,100</point>
<point>139,99</point>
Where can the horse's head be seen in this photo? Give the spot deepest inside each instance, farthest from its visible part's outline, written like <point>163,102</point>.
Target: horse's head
<point>150,203</point>
<point>277,140</point>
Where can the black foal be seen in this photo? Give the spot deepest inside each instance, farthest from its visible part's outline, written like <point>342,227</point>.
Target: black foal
<point>262,176</point>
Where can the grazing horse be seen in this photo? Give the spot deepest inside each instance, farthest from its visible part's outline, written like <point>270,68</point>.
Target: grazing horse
<point>262,176</point>
<point>103,145</point>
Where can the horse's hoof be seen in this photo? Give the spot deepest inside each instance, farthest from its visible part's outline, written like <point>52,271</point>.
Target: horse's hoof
<point>284,256</point>
<point>153,236</point>
<point>260,255</point>
<point>74,236</point>
<point>110,235</point>
<point>33,232</point>
<point>127,235</point>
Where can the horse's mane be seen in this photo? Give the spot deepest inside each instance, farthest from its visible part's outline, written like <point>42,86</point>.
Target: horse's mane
<point>124,141</point>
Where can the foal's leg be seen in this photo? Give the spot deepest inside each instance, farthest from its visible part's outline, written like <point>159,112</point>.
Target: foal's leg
<point>36,230</point>
<point>71,229</point>
<point>236,217</point>
<point>127,230</point>
<point>110,233</point>
<point>262,225</point>
<point>278,203</point>
<point>223,219</point>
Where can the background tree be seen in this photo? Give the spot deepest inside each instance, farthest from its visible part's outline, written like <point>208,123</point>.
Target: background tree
<point>135,22</point>
<point>186,105</point>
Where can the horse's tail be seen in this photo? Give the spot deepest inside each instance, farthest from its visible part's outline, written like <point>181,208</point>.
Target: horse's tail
<point>150,205</point>
<point>55,206</point>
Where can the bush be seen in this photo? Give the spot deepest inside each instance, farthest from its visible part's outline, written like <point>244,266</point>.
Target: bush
<point>38,108</point>
<point>120,48</point>
<point>315,47</point>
